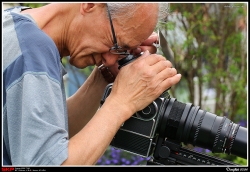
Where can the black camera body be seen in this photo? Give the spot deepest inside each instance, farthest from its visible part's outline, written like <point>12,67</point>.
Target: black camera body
<point>136,135</point>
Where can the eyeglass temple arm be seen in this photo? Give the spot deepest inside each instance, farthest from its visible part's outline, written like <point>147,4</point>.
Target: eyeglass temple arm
<point>112,28</point>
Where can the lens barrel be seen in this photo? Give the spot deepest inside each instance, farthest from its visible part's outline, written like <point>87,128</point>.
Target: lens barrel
<point>190,124</point>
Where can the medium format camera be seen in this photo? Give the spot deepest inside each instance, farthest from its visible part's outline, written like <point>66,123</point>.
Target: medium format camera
<point>168,119</point>
<point>136,135</point>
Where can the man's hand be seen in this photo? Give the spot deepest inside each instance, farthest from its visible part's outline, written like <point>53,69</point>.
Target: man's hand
<point>142,81</point>
<point>146,45</point>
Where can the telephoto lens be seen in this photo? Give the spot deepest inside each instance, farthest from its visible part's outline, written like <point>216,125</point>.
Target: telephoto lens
<point>190,124</point>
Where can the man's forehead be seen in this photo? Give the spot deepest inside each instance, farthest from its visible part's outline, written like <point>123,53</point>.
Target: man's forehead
<point>137,28</point>
<point>134,37</point>
<point>130,42</point>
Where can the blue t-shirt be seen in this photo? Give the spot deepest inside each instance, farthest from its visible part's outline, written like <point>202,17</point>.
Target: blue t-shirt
<point>35,120</point>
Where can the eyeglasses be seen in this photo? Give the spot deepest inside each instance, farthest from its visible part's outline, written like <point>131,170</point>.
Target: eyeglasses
<point>116,49</point>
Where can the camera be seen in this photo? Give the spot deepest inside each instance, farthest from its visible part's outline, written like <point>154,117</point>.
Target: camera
<point>136,135</point>
<point>161,128</point>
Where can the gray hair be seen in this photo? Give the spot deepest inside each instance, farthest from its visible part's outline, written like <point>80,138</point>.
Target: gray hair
<point>127,10</point>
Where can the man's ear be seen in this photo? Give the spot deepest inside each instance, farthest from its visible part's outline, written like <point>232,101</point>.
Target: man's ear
<point>87,7</point>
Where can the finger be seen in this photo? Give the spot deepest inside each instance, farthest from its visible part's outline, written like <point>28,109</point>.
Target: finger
<point>163,83</point>
<point>163,66</point>
<point>136,51</point>
<point>155,58</point>
<point>170,81</point>
<point>152,49</point>
<point>150,40</point>
<point>168,72</point>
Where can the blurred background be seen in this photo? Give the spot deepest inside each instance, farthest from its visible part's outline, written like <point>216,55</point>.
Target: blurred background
<point>209,47</point>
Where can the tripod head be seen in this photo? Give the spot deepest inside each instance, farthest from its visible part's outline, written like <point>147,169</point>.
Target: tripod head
<point>171,153</point>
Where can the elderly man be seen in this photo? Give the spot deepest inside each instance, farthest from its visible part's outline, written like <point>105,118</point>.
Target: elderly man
<point>40,126</point>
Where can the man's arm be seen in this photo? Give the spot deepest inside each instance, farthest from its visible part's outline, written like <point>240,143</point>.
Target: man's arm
<point>85,102</point>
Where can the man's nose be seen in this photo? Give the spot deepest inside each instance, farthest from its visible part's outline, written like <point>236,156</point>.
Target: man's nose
<point>109,59</point>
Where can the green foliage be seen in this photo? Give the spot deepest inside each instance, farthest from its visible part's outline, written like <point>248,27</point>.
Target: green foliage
<point>87,71</point>
<point>220,54</point>
<point>220,46</point>
<point>232,158</point>
<point>241,161</point>
<point>34,5</point>
<point>170,26</point>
